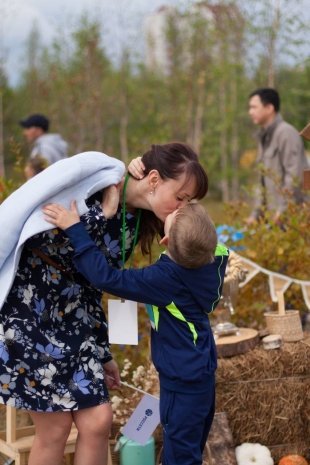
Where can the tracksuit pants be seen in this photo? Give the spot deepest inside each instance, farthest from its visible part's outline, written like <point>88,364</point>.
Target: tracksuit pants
<point>186,419</point>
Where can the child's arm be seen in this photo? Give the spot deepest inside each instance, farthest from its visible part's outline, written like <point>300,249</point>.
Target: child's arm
<point>63,218</point>
<point>147,285</point>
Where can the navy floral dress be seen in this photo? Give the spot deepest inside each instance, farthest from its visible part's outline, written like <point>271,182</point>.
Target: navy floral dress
<point>53,331</point>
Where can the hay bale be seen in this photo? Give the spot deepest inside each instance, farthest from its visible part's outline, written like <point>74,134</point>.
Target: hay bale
<point>266,395</point>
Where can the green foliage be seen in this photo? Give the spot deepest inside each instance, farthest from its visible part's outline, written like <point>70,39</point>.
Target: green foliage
<point>200,96</point>
<point>282,248</point>
<point>295,95</point>
<point>10,183</point>
<point>7,186</point>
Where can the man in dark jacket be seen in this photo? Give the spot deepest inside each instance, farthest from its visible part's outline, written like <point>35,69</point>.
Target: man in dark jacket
<point>181,288</point>
<point>281,155</point>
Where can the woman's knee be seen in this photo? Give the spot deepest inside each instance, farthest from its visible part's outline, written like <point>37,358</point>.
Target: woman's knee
<point>52,427</point>
<point>94,420</point>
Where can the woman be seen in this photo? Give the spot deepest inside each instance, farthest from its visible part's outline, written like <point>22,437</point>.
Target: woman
<point>53,364</point>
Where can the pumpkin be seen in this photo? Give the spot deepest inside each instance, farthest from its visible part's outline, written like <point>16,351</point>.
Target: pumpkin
<point>293,460</point>
<point>253,454</point>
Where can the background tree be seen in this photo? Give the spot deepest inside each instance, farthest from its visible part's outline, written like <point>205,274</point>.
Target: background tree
<point>215,55</point>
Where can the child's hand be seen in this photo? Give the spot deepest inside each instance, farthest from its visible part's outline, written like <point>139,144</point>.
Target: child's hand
<point>136,168</point>
<point>110,200</point>
<point>60,216</point>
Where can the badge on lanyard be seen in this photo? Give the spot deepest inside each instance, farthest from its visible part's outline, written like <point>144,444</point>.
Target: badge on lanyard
<point>123,314</point>
<point>123,322</point>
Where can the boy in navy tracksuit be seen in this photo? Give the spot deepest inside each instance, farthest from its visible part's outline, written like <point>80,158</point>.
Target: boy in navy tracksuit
<point>181,288</point>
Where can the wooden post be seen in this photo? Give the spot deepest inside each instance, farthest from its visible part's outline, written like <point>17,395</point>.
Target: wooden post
<point>10,424</point>
<point>281,304</point>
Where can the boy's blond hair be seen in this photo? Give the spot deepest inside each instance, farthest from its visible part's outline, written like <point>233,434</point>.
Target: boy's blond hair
<point>37,164</point>
<point>192,237</point>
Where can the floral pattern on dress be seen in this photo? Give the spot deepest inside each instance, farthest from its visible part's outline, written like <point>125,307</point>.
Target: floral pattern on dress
<point>53,331</point>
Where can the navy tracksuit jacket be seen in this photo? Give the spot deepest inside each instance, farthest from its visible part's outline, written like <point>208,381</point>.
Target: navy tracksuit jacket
<point>183,348</point>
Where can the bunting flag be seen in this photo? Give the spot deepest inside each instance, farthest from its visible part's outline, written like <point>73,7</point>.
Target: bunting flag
<point>277,282</point>
<point>306,293</point>
<point>251,268</point>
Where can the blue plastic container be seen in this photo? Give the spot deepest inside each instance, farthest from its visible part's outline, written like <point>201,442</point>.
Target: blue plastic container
<point>132,453</point>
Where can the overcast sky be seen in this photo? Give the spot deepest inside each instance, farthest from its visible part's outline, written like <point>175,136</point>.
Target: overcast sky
<point>122,20</point>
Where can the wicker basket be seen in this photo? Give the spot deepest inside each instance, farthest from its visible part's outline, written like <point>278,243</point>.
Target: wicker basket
<point>288,325</point>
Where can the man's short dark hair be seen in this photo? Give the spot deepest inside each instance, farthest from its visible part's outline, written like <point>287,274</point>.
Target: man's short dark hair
<point>37,121</point>
<point>268,96</point>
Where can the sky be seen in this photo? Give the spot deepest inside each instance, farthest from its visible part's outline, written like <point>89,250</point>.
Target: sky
<point>122,20</point>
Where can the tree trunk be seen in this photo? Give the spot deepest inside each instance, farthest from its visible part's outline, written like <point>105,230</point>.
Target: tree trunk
<point>274,30</point>
<point>234,139</point>
<point>99,127</point>
<point>189,113</point>
<point>223,144</point>
<point>123,136</point>
<point>197,129</point>
<point>2,168</point>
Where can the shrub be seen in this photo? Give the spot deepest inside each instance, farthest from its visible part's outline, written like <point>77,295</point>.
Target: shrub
<point>282,248</point>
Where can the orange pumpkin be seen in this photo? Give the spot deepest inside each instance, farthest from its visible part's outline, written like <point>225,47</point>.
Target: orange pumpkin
<point>293,460</point>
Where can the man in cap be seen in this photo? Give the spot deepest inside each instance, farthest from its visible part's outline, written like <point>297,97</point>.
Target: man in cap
<point>51,147</point>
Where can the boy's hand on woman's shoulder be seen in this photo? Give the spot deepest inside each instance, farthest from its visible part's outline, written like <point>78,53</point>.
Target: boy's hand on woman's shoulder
<point>60,216</point>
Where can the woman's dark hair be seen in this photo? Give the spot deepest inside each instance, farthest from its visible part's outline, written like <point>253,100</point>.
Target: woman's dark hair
<point>171,161</point>
<point>268,96</point>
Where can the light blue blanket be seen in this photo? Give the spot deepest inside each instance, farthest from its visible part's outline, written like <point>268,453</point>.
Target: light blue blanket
<point>74,178</point>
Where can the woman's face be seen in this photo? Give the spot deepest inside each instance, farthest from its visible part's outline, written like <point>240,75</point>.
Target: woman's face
<point>168,195</point>
<point>169,222</point>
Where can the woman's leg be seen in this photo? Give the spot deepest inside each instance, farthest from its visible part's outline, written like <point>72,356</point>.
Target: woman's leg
<point>51,433</point>
<point>94,425</point>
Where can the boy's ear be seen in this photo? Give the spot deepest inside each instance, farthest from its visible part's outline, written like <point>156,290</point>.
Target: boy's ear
<point>164,241</point>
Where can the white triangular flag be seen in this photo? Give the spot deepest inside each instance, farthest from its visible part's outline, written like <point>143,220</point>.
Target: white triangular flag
<point>306,294</point>
<point>251,268</point>
<point>278,283</point>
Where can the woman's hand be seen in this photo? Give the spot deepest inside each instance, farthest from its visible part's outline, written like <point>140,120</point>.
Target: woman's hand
<point>110,200</point>
<point>60,216</point>
<point>112,378</point>
<point>136,168</point>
